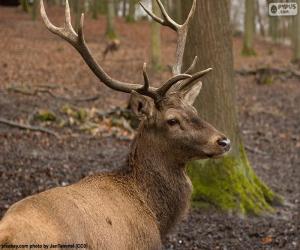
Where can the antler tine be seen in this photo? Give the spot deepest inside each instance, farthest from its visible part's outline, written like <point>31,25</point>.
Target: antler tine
<point>190,69</point>
<point>146,78</point>
<point>80,29</point>
<point>152,15</point>
<point>159,93</point>
<point>173,80</point>
<point>68,23</point>
<point>67,32</point>
<point>166,21</point>
<point>194,78</point>
<point>191,14</point>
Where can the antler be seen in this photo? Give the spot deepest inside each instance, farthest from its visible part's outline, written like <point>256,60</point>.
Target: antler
<point>78,42</point>
<point>182,30</point>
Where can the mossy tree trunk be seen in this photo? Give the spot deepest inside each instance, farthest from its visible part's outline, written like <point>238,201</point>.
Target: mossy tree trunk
<point>249,23</point>
<point>228,183</point>
<point>155,40</point>
<point>110,17</point>
<point>296,38</point>
<point>25,5</point>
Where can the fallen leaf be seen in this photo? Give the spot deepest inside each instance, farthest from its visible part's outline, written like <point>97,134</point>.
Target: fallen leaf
<point>266,240</point>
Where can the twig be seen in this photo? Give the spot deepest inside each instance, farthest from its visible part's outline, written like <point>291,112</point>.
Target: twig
<point>47,91</point>
<point>260,70</point>
<point>27,126</point>
<point>255,151</point>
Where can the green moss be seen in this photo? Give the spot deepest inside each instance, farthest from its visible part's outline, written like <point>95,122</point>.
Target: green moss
<point>266,79</point>
<point>130,19</point>
<point>111,34</point>
<point>45,115</point>
<point>80,114</point>
<point>248,52</point>
<point>230,184</point>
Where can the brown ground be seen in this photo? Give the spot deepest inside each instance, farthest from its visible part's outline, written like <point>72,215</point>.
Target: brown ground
<point>31,58</point>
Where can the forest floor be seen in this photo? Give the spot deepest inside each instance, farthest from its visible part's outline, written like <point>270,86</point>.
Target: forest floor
<point>43,81</point>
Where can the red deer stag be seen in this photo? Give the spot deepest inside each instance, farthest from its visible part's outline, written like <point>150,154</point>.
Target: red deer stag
<point>133,208</point>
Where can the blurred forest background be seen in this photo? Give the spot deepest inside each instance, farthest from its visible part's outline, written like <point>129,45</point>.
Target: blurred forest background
<point>58,124</point>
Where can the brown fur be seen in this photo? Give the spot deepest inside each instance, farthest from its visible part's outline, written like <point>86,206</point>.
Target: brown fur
<point>133,208</point>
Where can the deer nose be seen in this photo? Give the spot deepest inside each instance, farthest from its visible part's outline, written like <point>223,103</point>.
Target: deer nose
<point>224,143</point>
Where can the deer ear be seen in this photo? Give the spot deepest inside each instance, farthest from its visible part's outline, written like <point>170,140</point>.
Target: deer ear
<point>191,92</point>
<point>142,106</point>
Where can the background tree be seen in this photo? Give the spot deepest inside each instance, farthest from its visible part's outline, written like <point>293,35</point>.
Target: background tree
<point>25,6</point>
<point>94,6</point>
<point>110,27</point>
<point>131,11</point>
<point>33,9</point>
<point>155,40</point>
<point>273,25</point>
<point>230,182</point>
<point>102,6</point>
<point>296,38</point>
<point>177,10</point>
<point>77,8</point>
<point>249,23</point>
<point>259,19</point>
<point>124,8</point>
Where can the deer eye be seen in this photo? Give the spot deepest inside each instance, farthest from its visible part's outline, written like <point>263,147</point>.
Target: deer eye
<point>172,122</point>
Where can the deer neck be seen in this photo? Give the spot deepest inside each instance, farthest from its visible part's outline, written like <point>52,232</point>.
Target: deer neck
<point>161,178</point>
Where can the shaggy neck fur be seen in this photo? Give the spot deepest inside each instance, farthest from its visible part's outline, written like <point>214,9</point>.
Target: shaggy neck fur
<point>160,176</point>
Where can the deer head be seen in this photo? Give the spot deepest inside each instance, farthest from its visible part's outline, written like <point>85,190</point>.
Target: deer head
<point>167,111</point>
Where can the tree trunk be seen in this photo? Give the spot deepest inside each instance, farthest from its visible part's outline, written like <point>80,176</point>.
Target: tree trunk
<point>249,23</point>
<point>131,12</point>
<point>34,9</point>
<point>110,28</point>
<point>296,39</point>
<point>259,19</point>
<point>124,12</point>
<point>94,9</point>
<point>102,7</point>
<point>273,25</point>
<point>177,9</point>
<point>77,8</point>
<point>228,183</point>
<point>155,40</point>
<point>24,5</point>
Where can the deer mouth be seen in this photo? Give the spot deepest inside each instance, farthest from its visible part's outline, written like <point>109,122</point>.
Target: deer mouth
<point>217,156</point>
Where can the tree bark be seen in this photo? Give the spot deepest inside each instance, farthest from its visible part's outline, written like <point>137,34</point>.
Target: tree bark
<point>155,40</point>
<point>249,23</point>
<point>110,28</point>
<point>228,183</point>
